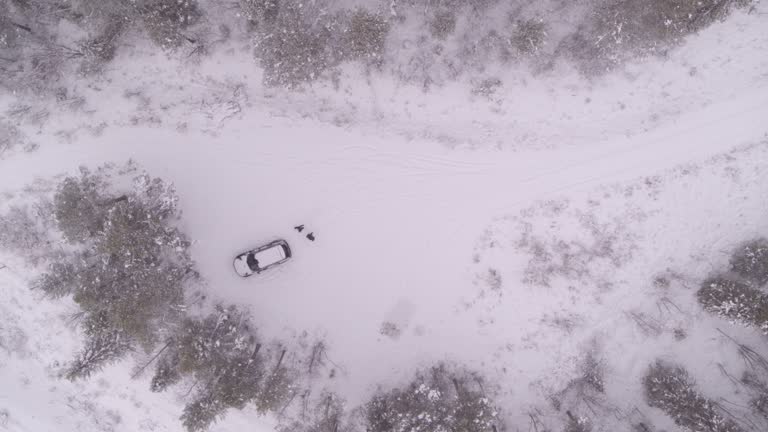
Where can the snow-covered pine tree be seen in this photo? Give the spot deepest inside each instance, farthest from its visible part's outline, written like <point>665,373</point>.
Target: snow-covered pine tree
<point>735,301</point>
<point>436,399</point>
<point>80,206</point>
<point>365,37</point>
<point>577,424</point>
<point>166,20</point>
<point>128,264</point>
<point>201,413</point>
<point>229,366</point>
<point>750,261</point>
<point>327,414</point>
<point>671,389</point>
<point>295,46</point>
<point>103,345</point>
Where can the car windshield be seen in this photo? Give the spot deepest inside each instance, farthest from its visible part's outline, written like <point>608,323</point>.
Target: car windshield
<point>253,264</point>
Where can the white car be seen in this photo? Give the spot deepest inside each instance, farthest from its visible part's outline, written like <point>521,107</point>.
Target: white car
<point>262,258</point>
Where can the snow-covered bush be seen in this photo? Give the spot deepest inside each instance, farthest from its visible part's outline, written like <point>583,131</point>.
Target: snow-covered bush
<point>442,24</point>
<point>585,393</point>
<point>232,368</point>
<point>734,301</point>
<point>259,12</point>
<point>22,232</point>
<point>10,136</point>
<point>759,404</point>
<point>35,53</point>
<point>33,57</point>
<point>671,389</point>
<point>128,264</point>
<point>365,37</point>
<point>619,29</point>
<point>295,48</point>
<point>436,399</point>
<point>577,424</point>
<point>166,20</point>
<point>529,36</point>
<point>9,31</point>
<point>100,49</point>
<point>750,261</point>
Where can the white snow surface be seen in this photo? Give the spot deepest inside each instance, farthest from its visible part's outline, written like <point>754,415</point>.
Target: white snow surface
<point>425,207</point>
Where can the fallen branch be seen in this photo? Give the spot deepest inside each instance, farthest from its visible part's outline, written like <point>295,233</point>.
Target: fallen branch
<point>751,358</point>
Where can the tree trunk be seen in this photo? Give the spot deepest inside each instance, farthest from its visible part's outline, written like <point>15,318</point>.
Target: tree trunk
<point>141,369</point>
<point>282,354</point>
<point>457,387</point>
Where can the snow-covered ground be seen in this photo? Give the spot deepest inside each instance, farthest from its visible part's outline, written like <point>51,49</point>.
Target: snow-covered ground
<point>442,218</point>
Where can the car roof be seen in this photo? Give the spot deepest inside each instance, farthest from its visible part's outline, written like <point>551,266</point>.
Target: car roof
<point>270,255</point>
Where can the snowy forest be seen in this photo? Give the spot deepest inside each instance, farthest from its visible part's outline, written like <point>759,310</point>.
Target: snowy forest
<point>520,216</point>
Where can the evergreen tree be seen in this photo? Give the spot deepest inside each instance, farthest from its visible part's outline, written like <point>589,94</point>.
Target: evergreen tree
<point>436,399</point>
<point>128,264</point>
<point>750,261</point>
<point>228,364</point>
<point>672,390</point>
<point>735,301</point>
<point>326,415</point>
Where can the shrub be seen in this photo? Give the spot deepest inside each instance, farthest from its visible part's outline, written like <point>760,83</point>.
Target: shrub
<point>529,36</point>
<point>648,27</point>
<point>759,403</point>
<point>22,233</point>
<point>80,208</point>
<point>750,261</point>
<point>435,399</point>
<point>366,36</point>
<point>9,136</point>
<point>734,301</point>
<point>585,392</point>
<point>9,31</point>
<point>101,49</point>
<point>672,390</point>
<point>443,24</point>
<point>296,48</point>
<point>166,20</point>
<point>258,12</point>
<point>577,424</point>
<point>327,415</point>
